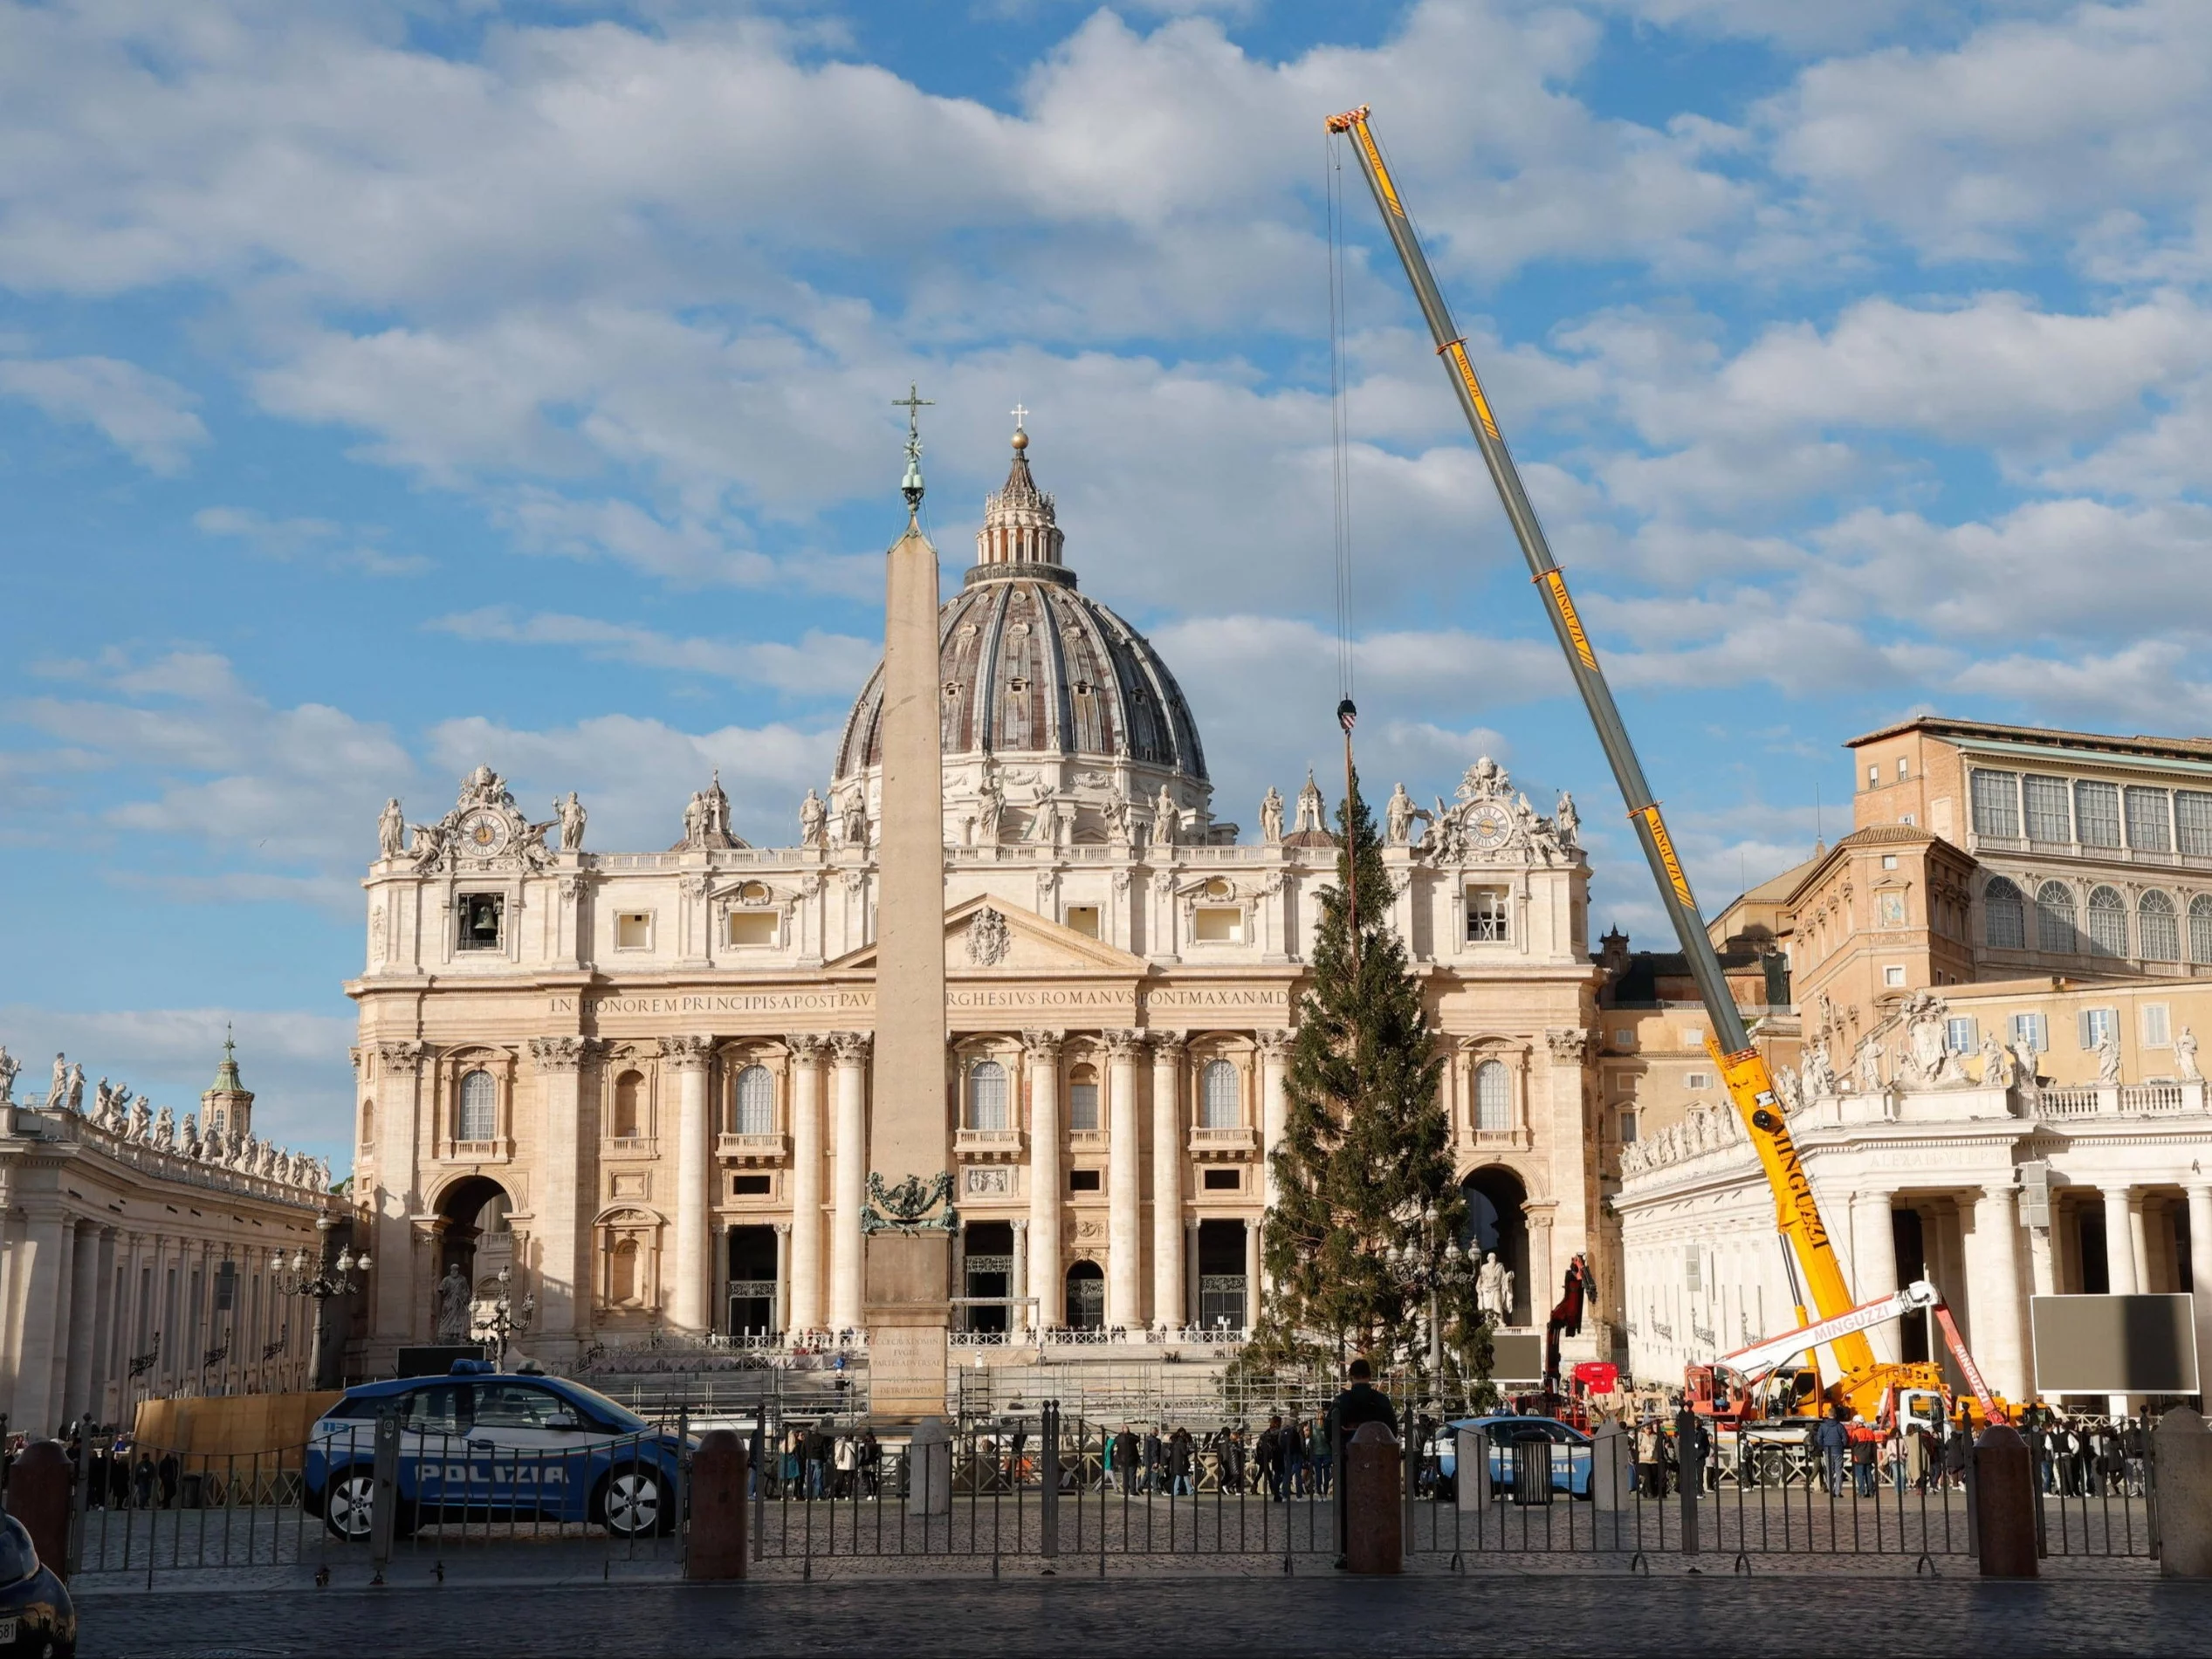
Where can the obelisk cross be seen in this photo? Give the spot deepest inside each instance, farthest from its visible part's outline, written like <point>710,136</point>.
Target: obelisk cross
<point>913,403</point>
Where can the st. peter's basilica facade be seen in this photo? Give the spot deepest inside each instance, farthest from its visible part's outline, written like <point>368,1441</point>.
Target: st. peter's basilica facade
<point>643,1078</point>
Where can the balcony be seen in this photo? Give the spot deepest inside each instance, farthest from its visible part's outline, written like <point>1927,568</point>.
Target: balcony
<point>753,1149</point>
<point>988,1146</point>
<point>1239,1141</point>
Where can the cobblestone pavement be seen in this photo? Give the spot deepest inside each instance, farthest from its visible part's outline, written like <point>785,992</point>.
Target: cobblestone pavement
<point>1188,1617</point>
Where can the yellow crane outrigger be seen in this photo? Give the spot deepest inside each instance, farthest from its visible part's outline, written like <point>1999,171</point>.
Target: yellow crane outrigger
<point>1868,1386</point>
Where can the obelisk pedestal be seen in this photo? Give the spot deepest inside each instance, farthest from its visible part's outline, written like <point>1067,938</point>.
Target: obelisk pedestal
<point>908,1279</point>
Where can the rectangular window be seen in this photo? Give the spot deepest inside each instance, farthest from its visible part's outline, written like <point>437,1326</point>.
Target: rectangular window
<point>1628,1129</point>
<point>633,930</point>
<point>1697,1079</point>
<point>2050,810</point>
<point>2193,821</point>
<point>1962,1034</point>
<point>1082,1108</point>
<point>1218,925</point>
<point>1892,976</point>
<point>1489,919</point>
<point>2097,814</point>
<point>2029,1030</point>
<point>2149,828</point>
<point>1692,1270</point>
<point>2097,1024</point>
<point>1692,1036</point>
<point>2158,1026</point>
<point>1873,775</point>
<point>753,926</point>
<point>1903,768</point>
<point>480,914</point>
<point>1996,803</point>
<point>1223,1181</point>
<point>1083,919</point>
<point>1625,1037</point>
<point>1085,1180</point>
<point>1889,861</point>
<point>750,1186</point>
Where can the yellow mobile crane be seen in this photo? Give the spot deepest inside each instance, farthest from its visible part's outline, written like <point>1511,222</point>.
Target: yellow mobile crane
<point>1870,1387</point>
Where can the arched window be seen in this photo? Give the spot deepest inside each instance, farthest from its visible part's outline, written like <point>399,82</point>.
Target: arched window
<point>1218,1103</point>
<point>987,1095</point>
<point>2054,919</point>
<point>630,1087</point>
<point>2201,929</point>
<point>480,1115</point>
<point>1086,1297</point>
<point>2158,928</point>
<point>1492,1096</point>
<point>2107,922</point>
<point>756,1092</point>
<point>1082,1100</point>
<point>368,1124</point>
<point>2004,916</point>
<point>623,1271</point>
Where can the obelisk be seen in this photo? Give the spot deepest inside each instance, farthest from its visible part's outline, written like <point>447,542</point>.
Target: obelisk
<point>909,1261</point>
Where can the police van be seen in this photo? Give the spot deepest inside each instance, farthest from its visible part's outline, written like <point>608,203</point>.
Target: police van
<point>479,1443</point>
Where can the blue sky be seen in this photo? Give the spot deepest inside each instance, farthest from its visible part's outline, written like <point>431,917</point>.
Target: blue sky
<point>386,388</point>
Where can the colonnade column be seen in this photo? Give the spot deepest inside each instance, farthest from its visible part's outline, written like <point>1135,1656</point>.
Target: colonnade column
<point>694,1271</point>
<point>1874,1264</point>
<point>1019,1317</point>
<point>1124,1236</point>
<point>1993,1292</point>
<point>1275,1049</point>
<point>785,1282</point>
<point>1251,1240</point>
<point>2201,1274</point>
<point>805,1296</point>
<point>1167,1180</point>
<point>402,1069</point>
<point>77,1324</point>
<point>2123,1217</point>
<point>39,1285</point>
<point>849,1192</point>
<point>1042,1049</point>
<point>1193,1297</point>
<point>564,1210</point>
<point>105,1311</point>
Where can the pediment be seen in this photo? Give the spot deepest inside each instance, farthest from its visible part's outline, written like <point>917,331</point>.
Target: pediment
<point>1020,944</point>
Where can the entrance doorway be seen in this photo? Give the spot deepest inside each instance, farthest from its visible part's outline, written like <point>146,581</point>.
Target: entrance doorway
<point>1086,1297</point>
<point>752,1281</point>
<point>988,1253</point>
<point>1497,1221</point>
<point>1223,1294</point>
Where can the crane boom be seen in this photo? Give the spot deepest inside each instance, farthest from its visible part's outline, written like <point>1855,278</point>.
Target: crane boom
<point>1741,1066</point>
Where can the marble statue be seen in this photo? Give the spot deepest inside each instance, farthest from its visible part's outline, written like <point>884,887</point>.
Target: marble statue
<point>453,1299</point>
<point>854,821</point>
<point>2108,1056</point>
<point>1044,817</point>
<point>10,1068</point>
<point>1996,1063</point>
<point>1118,822</point>
<point>141,1120</point>
<point>1565,818</point>
<point>391,830</point>
<point>990,807</point>
<point>165,1128</point>
<point>57,1086</point>
<point>694,821</point>
<point>430,844</point>
<point>75,1097</point>
<point>1271,816</point>
<point>187,1136</point>
<point>572,818</point>
<point>1166,820</point>
<point>216,1148</point>
<point>1870,1064</point>
<point>1309,807</point>
<point>1399,816</point>
<point>1493,1288</point>
<point>813,821</point>
<point>2184,1061</point>
<point>1816,1076</point>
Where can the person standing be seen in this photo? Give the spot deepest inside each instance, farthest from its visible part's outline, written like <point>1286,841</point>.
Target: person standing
<point>1270,1455</point>
<point>1831,1440</point>
<point>1361,1402</point>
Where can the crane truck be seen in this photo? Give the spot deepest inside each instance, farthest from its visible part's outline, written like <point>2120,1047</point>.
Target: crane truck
<point>1870,1389</point>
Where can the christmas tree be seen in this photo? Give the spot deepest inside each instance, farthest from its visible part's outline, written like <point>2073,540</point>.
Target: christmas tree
<point>1364,1172</point>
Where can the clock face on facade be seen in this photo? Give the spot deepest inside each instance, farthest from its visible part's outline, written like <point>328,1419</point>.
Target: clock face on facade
<point>483,833</point>
<point>1488,829</point>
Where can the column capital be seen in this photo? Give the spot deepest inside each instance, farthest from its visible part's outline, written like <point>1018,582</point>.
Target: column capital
<point>1043,1044</point>
<point>852,1046</point>
<point>1168,1044</point>
<point>782,1226</point>
<point>806,1047</point>
<point>2203,1184</point>
<point>1568,1044</point>
<point>405,1056</point>
<point>1021,1225</point>
<point>1123,1044</point>
<point>563,1054</point>
<point>686,1053</point>
<point>1273,1043</point>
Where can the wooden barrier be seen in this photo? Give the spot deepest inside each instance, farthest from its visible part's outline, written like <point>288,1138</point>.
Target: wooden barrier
<point>237,1425</point>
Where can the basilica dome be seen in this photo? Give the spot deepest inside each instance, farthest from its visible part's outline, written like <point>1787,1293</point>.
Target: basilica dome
<point>1042,682</point>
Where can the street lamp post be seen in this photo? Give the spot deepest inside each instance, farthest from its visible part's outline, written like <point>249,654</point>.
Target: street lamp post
<point>1428,1268</point>
<point>504,1319</point>
<point>344,1277</point>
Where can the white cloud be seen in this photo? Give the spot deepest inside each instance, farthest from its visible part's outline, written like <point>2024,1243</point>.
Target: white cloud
<point>821,664</point>
<point>147,418</point>
<point>318,539</point>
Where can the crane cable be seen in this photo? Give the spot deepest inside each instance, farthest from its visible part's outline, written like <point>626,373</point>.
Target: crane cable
<point>1341,517</point>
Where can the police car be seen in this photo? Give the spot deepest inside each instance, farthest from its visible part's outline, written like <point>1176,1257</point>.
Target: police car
<point>479,1443</point>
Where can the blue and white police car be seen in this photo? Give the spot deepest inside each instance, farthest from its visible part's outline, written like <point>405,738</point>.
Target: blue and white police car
<point>479,1443</point>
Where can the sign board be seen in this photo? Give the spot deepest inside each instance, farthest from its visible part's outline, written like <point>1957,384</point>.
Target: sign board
<point>1516,1356</point>
<point>1599,1376</point>
<point>2114,1344</point>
